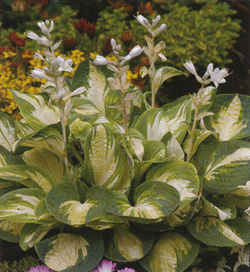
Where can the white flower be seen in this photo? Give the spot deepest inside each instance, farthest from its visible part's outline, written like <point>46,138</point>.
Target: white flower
<point>142,20</point>
<point>156,20</point>
<point>217,75</point>
<point>162,27</point>
<point>44,27</point>
<point>64,65</point>
<point>100,60</point>
<point>136,51</point>
<point>190,67</point>
<point>41,40</point>
<point>38,74</point>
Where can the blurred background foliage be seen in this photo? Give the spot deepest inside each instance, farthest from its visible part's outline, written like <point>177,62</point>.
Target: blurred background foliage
<point>197,30</point>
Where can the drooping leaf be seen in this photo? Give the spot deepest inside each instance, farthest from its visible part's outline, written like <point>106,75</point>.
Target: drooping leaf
<point>214,232</point>
<point>179,174</point>
<point>153,201</point>
<point>172,252</point>
<point>223,166</point>
<point>10,231</point>
<point>19,205</point>
<point>63,202</point>
<point>231,117</point>
<point>35,111</point>
<point>106,163</point>
<point>155,123</point>
<point>126,244</point>
<point>28,175</point>
<point>219,207</point>
<point>7,131</point>
<point>70,252</point>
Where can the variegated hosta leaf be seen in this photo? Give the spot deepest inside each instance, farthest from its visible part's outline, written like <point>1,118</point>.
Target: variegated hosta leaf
<point>19,205</point>
<point>214,232</point>
<point>10,231</point>
<point>80,129</point>
<point>240,198</point>
<point>191,146</point>
<point>155,123</point>
<point>126,244</point>
<point>219,207</point>
<point>162,75</point>
<point>8,158</point>
<point>231,116</point>
<point>42,213</point>
<point>90,76</point>
<point>106,163</point>
<point>223,166</point>
<point>64,203</point>
<point>28,175</point>
<point>45,160</point>
<point>71,252</point>
<point>84,107</point>
<point>153,201</point>
<point>35,111</point>
<point>32,234</point>
<point>179,174</point>
<point>172,252</point>
<point>49,138</point>
<point>7,131</point>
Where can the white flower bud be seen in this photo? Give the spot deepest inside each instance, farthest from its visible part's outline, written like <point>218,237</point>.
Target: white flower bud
<point>162,27</point>
<point>38,74</point>
<point>156,20</point>
<point>142,20</point>
<point>100,60</point>
<point>190,67</point>
<point>113,42</point>
<point>135,51</point>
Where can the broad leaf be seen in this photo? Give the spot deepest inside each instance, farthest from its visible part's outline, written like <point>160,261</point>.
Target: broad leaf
<point>35,111</point>
<point>64,203</point>
<point>223,166</point>
<point>28,175</point>
<point>106,163</point>
<point>231,117</point>
<point>19,205</point>
<point>155,123</point>
<point>214,232</point>
<point>10,231</point>
<point>126,244</point>
<point>172,252</point>
<point>70,252</point>
<point>179,174</point>
<point>153,201</point>
<point>7,131</point>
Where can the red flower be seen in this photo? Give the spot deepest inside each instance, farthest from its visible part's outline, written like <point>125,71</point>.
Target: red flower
<point>84,26</point>
<point>70,43</point>
<point>16,40</point>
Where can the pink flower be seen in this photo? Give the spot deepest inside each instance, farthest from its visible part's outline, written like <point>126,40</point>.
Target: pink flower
<point>126,269</point>
<point>41,268</point>
<point>105,266</point>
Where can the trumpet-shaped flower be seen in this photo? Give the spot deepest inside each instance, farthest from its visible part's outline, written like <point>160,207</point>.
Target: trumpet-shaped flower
<point>64,65</point>
<point>100,60</point>
<point>136,51</point>
<point>142,20</point>
<point>105,266</point>
<point>217,75</point>
<point>41,40</point>
<point>38,74</point>
<point>46,27</point>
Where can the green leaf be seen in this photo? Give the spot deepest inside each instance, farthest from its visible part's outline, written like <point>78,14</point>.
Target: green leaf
<point>153,201</point>
<point>231,116</point>
<point>172,252</point>
<point>70,252</point>
<point>49,138</point>
<point>126,244</point>
<point>179,174</point>
<point>214,232</point>
<point>7,131</point>
<point>219,207</point>
<point>90,76</point>
<point>28,175</point>
<point>19,205</point>
<point>47,161</point>
<point>35,111</point>
<point>10,231</point>
<point>162,74</point>
<point>223,166</point>
<point>106,163</point>
<point>64,203</point>
<point>32,234</point>
<point>155,123</point>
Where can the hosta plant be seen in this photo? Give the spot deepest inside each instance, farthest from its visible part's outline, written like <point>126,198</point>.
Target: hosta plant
<point>94,169</point>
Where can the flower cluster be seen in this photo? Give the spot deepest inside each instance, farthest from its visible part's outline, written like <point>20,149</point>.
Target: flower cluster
<point>84,26</point>
<point>109,266</point>
<point>16,40</point>
<point>39,268</point>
